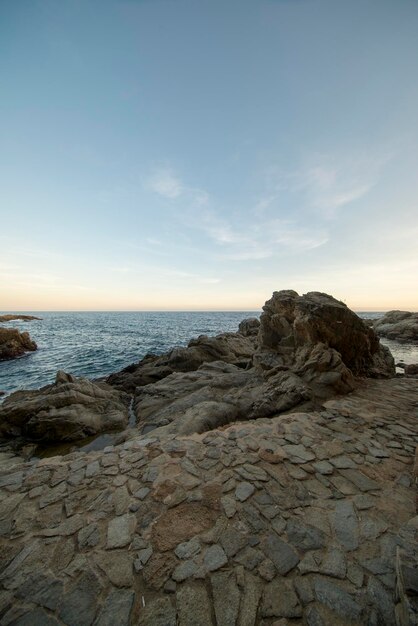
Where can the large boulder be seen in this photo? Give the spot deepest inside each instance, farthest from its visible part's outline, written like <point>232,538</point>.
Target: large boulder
<point>400,325</point>
<point>68,410</point>
<point>291,324</point>
<point>14,344</point>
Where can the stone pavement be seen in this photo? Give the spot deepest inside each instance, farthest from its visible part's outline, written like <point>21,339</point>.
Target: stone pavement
<point>300,519</point>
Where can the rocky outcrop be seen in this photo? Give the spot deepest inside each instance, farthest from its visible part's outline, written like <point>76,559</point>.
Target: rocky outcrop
<point>233,348</point>
<point>399,325</point>
<point>69,409</point>
<point>14,344</point>
<point>307,348</point>
<point>291,325</point>
<point>10,317</point>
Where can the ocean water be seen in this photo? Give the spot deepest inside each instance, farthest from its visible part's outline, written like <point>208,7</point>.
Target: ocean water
<point>97,344</point>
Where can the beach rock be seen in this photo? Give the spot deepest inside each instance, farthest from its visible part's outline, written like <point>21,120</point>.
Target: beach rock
<point>69,409</point>
<point>234,348</point>
<point>399,325</point>
<point>411,369</point>
<point>308,348</point>
<point>317,334</point>
<point>9,317</point>
<point>14,343</point>
<point>249,327</point>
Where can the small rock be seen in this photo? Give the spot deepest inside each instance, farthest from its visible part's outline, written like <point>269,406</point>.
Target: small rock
<point>244,491</point>
<point>215,558</point>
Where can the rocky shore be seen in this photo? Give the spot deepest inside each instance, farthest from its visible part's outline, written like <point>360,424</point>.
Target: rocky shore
<point>10,317</point>
<point>270,481</point>
<point>14,343</point>
<point>399,325</point>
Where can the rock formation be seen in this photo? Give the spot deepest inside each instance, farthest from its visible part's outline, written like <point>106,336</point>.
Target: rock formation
<point>399,325</point>
<point>69,409</point>
<point>303,350</point>
<point>14,343</point>
<point>9,317</point>
<point>305,519</point>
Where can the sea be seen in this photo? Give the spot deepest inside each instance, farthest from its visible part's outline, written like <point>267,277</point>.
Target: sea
<point>95,344</point>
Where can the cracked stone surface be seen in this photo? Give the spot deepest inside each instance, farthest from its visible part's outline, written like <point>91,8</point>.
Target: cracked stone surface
<point>304,518</point>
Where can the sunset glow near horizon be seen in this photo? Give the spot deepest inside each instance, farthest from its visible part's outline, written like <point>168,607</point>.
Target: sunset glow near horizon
<point>182,155</point>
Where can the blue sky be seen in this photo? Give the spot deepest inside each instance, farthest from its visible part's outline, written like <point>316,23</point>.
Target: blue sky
<point>183,154</point>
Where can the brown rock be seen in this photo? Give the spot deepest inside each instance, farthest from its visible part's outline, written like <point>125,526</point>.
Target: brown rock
<point>69,409</point>
<point>180,524</point>
<point>14,344</point>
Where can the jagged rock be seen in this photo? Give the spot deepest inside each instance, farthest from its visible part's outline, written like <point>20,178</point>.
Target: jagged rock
<point>14,344</point>
<point>399,325</point>
<point>69,409</point>
<point>296,327</point>
<point>232,348</point>
<point>308,348</point>
<point>249,327</point>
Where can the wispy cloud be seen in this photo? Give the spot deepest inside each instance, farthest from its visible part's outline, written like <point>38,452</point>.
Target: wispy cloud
<point>165,183</point>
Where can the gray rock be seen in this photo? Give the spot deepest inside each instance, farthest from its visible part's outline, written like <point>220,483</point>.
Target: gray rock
<point>313,617</point>
<point>43,590</point>
<point>142,558</point>
<point>232,540</point>
<point>360,480</point>
<point>185,570</point>
<point>193,604</point>
<point>337,599</point>
<point>88,537</point>
<point>229,506</point>
<point>116,608</point>
<point>79,605</point>
<point>188,549</point>
<point>304,590</point>
<point>298,453</point>
<point>382,600</point>
<point>249,558</point>
<point>120,531</point>
<point>214,558</point>
<point>244,491</point>
<point>345,524</point>
<point>334,564</point>
<point>226,597</point>
<point>36,617</point>
<point>281,553</point>
<point>303,536</point>
<point>280,600</point>
<point>158,612</point>
<point>323,467</point>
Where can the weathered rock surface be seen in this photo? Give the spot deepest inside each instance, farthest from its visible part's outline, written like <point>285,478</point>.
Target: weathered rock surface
<point>9,317</point>
<point>399,325</point>
<point>234,348</point>
<point>308,348</point>
<point>69,409</point>
<point>14,343</point>
<point>214,530</point>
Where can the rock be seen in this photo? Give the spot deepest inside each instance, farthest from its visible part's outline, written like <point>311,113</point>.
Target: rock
<point>411,369</point>
<point>233,348</point>
<point>194,606</point>
<point>283,556</point>
<point>280,600</point>
<point>79,605</point>
<point>69,409</point>
<point>308,348</point>
<point>399,325</point>
<point>14,343</point>
<point>344,344</point>
<point>116,608</point>
<point>214,558</point>
<point>120,531</point>
<point>11,317</point>
<point>337,599</point>
<point>345,525</point>
<point>226,598</point>
<point>249,327</point>
<point>158,612</point>
<point>244,491</point>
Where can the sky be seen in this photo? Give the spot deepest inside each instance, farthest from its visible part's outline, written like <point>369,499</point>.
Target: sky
<point>198,155</point>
